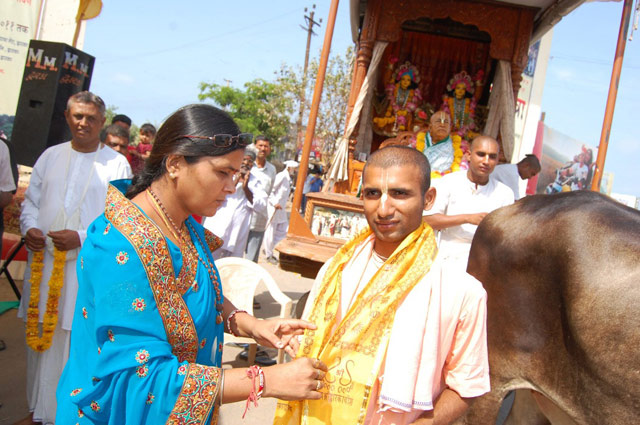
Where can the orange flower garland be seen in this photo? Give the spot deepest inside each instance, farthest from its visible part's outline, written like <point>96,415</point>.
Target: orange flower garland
<point>34,340</point>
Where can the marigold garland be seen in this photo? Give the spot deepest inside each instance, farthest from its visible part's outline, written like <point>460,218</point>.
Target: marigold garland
<point>34,340</point>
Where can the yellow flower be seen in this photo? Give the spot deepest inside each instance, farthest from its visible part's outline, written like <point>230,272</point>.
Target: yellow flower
<point>34,340</point>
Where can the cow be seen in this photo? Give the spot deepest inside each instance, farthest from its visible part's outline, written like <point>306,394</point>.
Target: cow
<point>562,276</point>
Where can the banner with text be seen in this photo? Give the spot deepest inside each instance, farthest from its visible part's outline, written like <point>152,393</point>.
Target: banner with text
<point>18,22</point>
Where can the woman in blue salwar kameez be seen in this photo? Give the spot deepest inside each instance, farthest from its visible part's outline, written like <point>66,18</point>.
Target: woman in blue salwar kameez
<point>146,345</point>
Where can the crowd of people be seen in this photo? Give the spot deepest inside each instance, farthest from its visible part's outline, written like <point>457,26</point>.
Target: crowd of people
<point>122,302</point>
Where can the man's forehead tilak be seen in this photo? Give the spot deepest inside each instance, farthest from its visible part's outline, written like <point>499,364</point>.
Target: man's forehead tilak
<point>385,187</point>
<point>440,117</point>
<point>387,183</point>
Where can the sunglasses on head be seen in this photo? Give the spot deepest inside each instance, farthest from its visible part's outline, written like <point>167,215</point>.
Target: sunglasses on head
<point>226,140</point>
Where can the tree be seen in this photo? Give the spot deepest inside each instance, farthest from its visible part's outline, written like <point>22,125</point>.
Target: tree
<point>332,110</point>
<point>6,124</point>
<point>271,108</point>
<point>261,108</point>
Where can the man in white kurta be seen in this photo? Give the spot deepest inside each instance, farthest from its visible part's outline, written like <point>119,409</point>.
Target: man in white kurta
<point>278,222</point>
<point>231,221</point>
<point>464,198</point>
<point>512,174</point>
<point>264,171</point>
<point>67,191</point>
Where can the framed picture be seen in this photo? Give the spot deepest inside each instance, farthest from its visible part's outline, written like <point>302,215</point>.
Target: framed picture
<point>333,216</point>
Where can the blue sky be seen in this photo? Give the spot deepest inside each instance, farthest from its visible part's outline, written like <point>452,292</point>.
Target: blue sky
<point>152,55</point>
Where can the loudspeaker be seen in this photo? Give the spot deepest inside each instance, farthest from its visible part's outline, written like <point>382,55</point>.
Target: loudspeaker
<point>53,73</point>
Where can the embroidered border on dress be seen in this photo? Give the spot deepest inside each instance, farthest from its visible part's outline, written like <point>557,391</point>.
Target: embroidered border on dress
<point>197,396</point>
<point>212,240</point>
<point>153,252</point>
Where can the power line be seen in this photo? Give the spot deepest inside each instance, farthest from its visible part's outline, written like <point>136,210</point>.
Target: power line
<point>309,29</point>
<point>590,60</point>
<point>203,40</point>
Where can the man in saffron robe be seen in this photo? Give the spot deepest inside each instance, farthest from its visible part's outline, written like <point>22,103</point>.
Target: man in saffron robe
<point>403,337</point>
<point>66,193</point>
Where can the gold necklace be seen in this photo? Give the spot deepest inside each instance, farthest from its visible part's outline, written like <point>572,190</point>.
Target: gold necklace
<point>179,234</point>
<point>163,214</point>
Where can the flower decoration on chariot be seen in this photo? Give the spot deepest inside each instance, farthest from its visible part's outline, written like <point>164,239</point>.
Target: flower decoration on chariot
<point>461,78</point>
<point>408,69</point>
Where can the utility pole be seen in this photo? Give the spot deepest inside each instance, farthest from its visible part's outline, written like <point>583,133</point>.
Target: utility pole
<point>228,82</point>
<point>613,93</point>
<point>309,28</point>
<point>296,221</point>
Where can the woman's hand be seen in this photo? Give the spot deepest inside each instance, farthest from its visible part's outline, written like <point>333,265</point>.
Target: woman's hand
<point>296,380</point>
<point>280,333</point>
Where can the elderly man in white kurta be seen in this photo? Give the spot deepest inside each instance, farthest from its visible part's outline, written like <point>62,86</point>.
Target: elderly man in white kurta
<point>464,198</point>
<point>231,221</point>
<point>67,191</point>
<point>278,222</point>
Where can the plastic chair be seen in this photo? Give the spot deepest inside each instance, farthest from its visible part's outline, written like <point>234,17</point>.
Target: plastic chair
<point>12,250</point>
<point>240,278</point>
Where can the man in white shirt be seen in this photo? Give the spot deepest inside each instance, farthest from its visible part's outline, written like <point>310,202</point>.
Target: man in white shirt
<point>511,174</point>
<point>231,221</point>
<point>67,191</point>
<point>264,171</point>
<point>278,223</point>
<point>464,198</point>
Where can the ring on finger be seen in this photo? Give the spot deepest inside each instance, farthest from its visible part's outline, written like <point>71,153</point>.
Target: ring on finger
<point>318,385</point>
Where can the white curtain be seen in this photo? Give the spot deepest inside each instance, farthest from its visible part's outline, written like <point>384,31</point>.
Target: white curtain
<point>340,163</point>
<point>502,109</point>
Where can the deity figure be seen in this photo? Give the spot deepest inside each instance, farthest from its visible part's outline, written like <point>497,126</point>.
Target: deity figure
<point>460,104</point>
<point>403,98</point>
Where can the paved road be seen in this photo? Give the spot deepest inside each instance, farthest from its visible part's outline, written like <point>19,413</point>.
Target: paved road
<point>13,365</point>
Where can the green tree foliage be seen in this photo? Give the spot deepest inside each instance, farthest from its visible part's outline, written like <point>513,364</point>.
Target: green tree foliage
<point>263,107</point>
<point>6,124</point>
<point>272,107</point>
<point>332,111</point>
